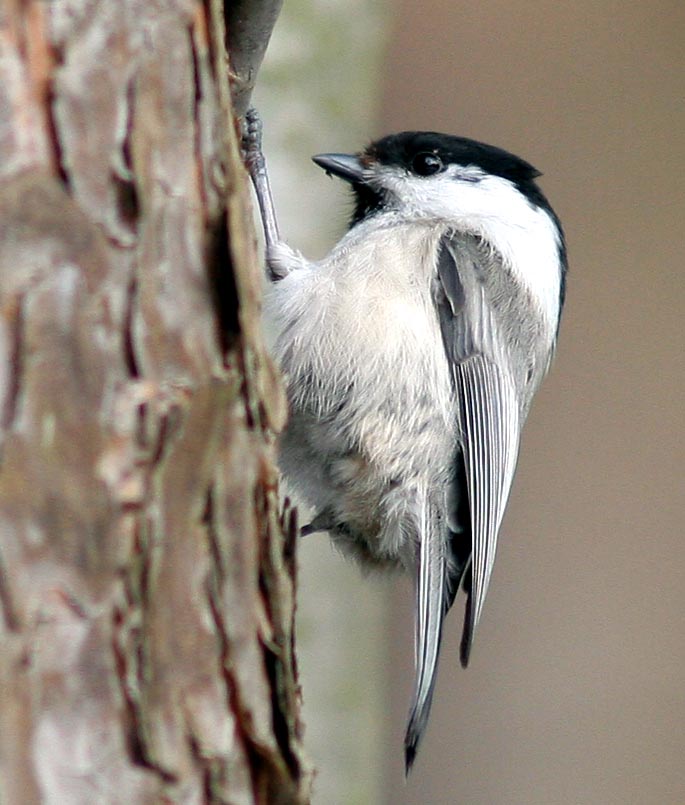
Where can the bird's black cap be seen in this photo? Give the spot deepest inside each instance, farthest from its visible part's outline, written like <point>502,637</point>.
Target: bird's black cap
<point>401,150</point>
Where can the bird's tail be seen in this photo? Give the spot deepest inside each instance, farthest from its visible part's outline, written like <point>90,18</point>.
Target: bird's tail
<point>429,614</point>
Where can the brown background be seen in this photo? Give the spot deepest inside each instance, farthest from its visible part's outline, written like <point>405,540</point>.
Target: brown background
<point>576,689</point>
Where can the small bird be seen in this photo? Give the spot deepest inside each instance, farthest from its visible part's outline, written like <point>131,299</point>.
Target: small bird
<point>411,354</point>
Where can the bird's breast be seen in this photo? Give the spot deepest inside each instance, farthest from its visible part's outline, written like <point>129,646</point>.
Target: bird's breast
<point>359,342</point>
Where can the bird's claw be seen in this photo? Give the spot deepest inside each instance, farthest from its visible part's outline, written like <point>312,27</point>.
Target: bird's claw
<point>252,142</point>
<point>255,163</point>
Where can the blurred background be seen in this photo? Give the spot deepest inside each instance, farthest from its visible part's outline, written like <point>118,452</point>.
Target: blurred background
<point>576,689</point>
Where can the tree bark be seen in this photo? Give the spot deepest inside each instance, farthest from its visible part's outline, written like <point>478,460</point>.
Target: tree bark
<point>146,572</point>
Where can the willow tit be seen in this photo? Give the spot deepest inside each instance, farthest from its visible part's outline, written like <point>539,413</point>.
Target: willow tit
<point>411,354</point>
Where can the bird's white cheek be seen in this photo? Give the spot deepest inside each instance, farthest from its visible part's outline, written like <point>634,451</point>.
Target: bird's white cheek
<point>468,202</point>
<point>524,235</point>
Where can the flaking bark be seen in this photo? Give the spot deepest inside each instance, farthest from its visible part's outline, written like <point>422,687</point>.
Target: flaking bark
<point>146,573</point>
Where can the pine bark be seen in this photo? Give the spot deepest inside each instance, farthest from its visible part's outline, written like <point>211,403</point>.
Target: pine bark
<point>146,571</point>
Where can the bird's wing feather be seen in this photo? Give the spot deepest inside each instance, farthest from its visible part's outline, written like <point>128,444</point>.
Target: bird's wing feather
<point>488,413</point>
<point>488,408</point>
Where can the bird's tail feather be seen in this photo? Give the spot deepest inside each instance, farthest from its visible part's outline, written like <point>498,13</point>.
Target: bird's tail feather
<point>430,612</point>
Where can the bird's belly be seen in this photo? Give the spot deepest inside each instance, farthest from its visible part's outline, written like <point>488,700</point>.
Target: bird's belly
<point>371,419</point>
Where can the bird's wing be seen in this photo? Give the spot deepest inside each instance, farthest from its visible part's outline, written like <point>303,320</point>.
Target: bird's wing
<point>488,406</point>
<point>452,543</point>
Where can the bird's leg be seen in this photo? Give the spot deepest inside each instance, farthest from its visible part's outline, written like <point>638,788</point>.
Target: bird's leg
<point>256,167</point>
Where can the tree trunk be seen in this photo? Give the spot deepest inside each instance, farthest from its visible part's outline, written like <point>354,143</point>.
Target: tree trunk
<point>146,573</point>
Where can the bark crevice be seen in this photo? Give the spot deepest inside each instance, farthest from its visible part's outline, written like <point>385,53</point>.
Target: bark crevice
<point>15,372</point>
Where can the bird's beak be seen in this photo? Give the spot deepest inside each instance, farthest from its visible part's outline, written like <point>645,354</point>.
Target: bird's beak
<point>345,166</point>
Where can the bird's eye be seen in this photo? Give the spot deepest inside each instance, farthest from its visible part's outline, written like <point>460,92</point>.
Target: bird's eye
<point>426,164</point>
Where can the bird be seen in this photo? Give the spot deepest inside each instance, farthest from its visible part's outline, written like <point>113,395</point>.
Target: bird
<point>410,355</point>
